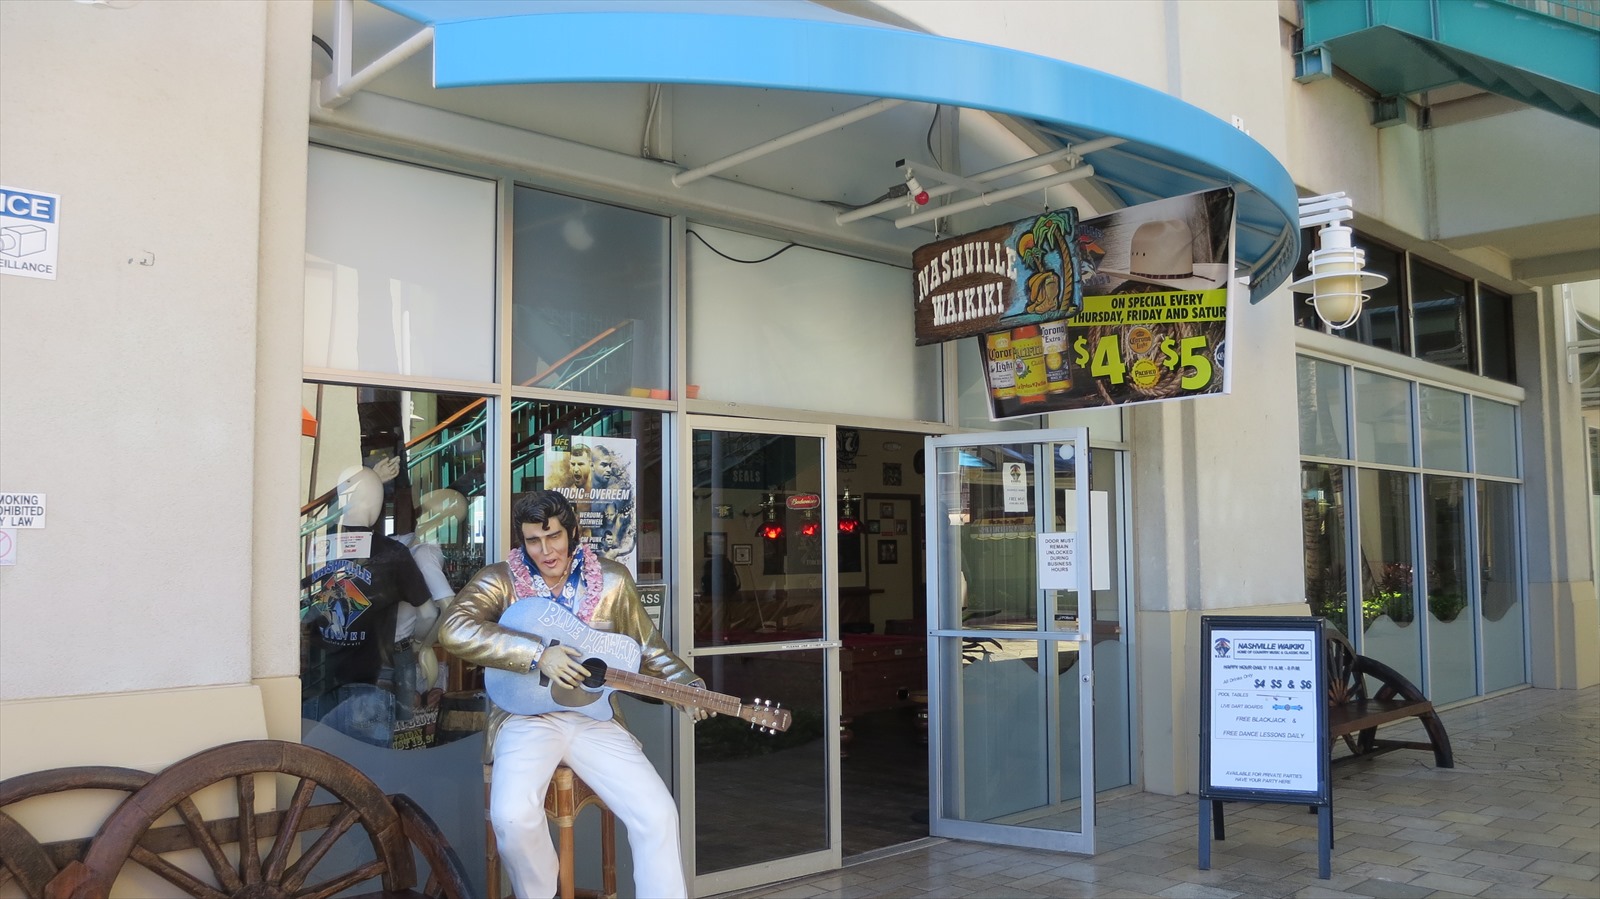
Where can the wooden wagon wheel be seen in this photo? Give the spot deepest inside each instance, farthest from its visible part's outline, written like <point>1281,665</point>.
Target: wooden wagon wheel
<point>21,855</point>
<point>358,801</point>
<point>1345,683</point>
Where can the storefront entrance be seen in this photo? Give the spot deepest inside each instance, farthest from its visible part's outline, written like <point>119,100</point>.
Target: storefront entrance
<point>1013,645</point>
<point>803,551</point>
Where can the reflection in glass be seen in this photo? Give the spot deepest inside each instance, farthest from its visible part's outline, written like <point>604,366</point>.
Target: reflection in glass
<point>1388,584</point>
<point>1444,428</point>
<point>1495,335</point>
<point>998,759</point>
<point>406,468</point>
<point>1499,578</point>
<point>997,546</point>
<point>1383,419</point>
<point>1452,662</point>
<point>607,461</point>
<point>1439,310</point>
<point>1383,322</point>
<point>760,797</point>
<point>1322,523</point>
<point>759,561</point>
<point>1113,722</point>
<point>1494,438</point>
<point>590,296</point>
<point>1324,430</point>
<point>400,268</point>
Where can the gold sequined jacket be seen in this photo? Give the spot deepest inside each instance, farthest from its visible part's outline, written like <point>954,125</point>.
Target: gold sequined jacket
<point>469,631</point>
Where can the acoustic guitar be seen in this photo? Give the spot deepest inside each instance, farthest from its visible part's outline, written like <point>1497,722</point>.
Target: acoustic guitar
<point>613,664</point>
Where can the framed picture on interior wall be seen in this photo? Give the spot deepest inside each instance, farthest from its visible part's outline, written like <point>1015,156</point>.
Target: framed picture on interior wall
<point>874,526</point>
<point>888,552</point>
<point>891,474</point>
<point>885,510</point>
<point>741,554</point>
<point>715,544</point>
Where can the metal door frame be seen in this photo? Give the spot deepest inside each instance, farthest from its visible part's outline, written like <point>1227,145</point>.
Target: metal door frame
<point>943,714</point>
<point>828,859</point>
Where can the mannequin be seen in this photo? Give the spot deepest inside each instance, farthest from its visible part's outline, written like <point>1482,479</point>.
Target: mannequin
<point>440,517</point>
<point>360,497</point>
<point>349,607</point>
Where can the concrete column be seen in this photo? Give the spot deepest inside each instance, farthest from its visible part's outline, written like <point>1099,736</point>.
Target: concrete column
<point>1563,626</point>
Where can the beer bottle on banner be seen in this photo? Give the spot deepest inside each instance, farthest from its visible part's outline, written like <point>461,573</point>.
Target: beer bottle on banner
<point>1028,348</point>
<point>1057,377</point>
<point>1002,376</point>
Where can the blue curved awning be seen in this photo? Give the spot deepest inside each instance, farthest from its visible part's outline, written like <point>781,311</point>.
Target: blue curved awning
<point>1171,147</point>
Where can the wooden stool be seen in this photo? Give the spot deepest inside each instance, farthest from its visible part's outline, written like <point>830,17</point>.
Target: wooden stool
<point>568,795</point>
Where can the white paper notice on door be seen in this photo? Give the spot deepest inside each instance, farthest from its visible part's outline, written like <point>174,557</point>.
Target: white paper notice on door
<point>1015,481</point>
<point>1058,561</point>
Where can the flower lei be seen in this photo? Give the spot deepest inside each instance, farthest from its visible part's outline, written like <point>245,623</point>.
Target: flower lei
<point>584,579</point>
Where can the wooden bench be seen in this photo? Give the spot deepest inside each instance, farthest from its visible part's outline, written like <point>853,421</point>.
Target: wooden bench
<point>223,856</point>
<point>1355,716</point>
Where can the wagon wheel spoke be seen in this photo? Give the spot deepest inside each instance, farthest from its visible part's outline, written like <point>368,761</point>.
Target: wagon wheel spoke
<point>343,882</point>
<point>288,830</point>
<point>301,869</point>
<point>227,877</point>
<point>249,849</point>
<point>175,875</point>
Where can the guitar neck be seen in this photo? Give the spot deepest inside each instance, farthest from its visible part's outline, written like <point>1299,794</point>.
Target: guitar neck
<point>643,685</point>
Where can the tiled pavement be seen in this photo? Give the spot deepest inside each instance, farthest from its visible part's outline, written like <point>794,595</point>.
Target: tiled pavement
<point>1518,816</point>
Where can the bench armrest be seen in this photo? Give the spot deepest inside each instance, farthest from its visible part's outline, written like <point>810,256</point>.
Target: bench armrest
<point>447,876</point>
<point>1393,682</point>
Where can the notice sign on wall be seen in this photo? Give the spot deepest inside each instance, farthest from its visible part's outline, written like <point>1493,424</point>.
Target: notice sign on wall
<point>1264,706</point>
<point>28,232</point>
<point>21,510</point>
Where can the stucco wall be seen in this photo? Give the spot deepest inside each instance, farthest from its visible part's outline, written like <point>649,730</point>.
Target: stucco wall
<point>147,122</point>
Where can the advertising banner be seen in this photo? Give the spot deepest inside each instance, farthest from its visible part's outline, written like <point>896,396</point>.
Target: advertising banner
<point>1153,324</point>
<point>599,476</point>
<point>1264,710</point>
<point>1024,273</point>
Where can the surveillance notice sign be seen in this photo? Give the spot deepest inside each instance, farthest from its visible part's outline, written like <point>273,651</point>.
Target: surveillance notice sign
<point>1264,702</point>
<point>28,232</point>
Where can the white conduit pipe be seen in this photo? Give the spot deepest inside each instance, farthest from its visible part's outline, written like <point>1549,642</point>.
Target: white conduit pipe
<point>778,143</point>
<point>995,196</point>
<point>995,174</point>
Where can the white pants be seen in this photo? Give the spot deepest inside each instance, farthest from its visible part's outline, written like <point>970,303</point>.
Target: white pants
<point>608,759</point>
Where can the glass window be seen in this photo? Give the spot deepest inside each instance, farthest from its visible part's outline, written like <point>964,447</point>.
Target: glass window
<point>1324,427</point>
<point>1444,428</point>
<point>608,462</point>
<point>1322,525</point>
<point>1439,304</point>
<point>1499,580</point>
<point>1495,335</point>
<point>393,525</point>
<point>1305,315</point>
<point>1494,438</point>
<point>1388,582</point>
<point>815,330</point>
<point>1383,419</point>
<point>1383,322</point>
<point>1452,653</point>
<point>400,269</point>
<point>591,297</point>
<point>972,394</point>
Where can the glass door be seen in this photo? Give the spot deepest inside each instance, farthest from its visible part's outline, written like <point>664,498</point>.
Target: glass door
<point>1010,663</point>
<point>757,553</point>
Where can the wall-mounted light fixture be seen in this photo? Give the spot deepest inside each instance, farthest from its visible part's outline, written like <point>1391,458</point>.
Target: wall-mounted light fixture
<point>1338,283</point>
<point>849,519</point>
<point>809,525</point>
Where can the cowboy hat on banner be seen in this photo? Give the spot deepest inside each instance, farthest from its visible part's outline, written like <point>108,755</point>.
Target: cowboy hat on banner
<point>1162,254</point>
